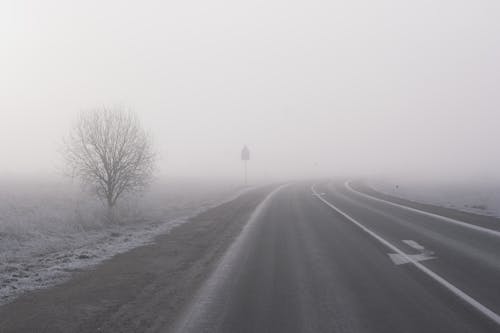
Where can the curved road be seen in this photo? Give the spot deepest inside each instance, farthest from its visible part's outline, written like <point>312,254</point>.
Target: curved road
<point>295,258</point>
<point>302,266</point>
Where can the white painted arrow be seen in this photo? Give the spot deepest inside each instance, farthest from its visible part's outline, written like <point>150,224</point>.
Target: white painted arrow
<point>400,259</point>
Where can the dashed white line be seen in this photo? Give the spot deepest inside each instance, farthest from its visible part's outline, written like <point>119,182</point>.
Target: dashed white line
<point>465,297</point>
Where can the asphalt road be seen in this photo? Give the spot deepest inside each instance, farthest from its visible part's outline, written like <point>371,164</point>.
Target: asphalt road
<point>320,263</point>
<point>304,257</point>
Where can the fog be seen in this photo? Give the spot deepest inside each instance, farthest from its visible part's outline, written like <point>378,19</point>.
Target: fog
<point>314,88</point>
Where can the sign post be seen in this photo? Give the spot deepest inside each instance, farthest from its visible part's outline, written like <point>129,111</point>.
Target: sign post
<point>245,157</point>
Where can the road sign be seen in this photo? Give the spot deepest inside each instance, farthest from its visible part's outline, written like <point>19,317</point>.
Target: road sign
<point>245,154</point>
<point>245,157</point>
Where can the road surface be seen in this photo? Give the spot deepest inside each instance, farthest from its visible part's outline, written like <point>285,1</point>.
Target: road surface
<point>303,257</point>
<point>305,267</point>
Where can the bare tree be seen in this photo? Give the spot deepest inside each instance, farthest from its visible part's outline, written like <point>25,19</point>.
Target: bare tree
<point>110,151</point>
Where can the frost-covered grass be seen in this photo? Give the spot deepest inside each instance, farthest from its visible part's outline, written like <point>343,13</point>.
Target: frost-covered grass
<point>479,197</point>
<point>50,228</point>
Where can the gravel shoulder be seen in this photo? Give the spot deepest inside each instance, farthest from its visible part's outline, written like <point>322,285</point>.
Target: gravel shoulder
<point>143,290</point>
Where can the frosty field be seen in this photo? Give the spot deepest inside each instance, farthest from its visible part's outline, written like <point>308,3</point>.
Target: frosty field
<point>49,229</point>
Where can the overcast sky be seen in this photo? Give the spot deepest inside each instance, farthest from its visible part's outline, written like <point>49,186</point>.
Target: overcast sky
<point>312,87</point>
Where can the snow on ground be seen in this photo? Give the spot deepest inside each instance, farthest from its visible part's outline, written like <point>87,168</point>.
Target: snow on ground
<point>50,229</point>
<point>474,197</point>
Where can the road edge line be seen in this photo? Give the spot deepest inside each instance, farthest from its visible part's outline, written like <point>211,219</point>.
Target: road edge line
<point>423,212</point>
<point>462,295</point>
<point>206,293</point>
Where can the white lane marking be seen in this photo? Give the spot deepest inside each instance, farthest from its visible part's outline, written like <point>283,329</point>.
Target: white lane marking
<point>468,299</point>
<point>436,216</point>
<point>398,259</point>
<point>422,256</point>
<point>413,244</point>
<point>198,316</point>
